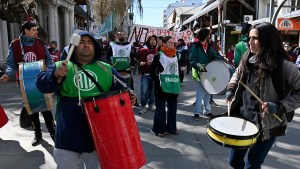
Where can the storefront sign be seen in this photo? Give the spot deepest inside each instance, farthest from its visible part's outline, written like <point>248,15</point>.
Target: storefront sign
<point>141,32</point>
<point>288,24</point>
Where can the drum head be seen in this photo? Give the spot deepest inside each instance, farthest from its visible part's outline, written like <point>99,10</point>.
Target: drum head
<point>233,126</point>
<point>216,78</point>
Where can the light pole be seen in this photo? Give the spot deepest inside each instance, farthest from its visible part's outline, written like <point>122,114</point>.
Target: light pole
<point>180,20</point>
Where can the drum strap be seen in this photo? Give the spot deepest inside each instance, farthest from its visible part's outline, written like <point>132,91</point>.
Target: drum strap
<point>115,78</point>
<point>92,79</point>
<point>78,88</point>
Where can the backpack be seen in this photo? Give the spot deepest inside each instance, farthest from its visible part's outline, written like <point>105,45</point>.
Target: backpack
<point>277,77</point>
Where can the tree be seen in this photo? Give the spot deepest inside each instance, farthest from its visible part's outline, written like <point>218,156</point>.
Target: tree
<point>105,7</point>
<point>19,11</point>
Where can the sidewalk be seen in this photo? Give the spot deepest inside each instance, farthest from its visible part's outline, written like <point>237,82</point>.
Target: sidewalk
<point>191,149</point>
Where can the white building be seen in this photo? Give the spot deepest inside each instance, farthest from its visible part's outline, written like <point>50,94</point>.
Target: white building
<point>183,3</point>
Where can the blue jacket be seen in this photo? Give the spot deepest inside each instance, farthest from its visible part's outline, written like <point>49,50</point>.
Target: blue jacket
<point>72,130</point>
<point>10,63</point>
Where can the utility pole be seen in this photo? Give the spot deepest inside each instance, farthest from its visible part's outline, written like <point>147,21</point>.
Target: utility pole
<point>130,16</point>
<point>88,16</point>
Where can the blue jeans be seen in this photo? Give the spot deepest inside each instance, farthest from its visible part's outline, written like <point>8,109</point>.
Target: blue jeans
<point>201,94</point>
<point>147,90</point>
<point>70,159</point>
<point>255,158</point>
<point>165,121</point>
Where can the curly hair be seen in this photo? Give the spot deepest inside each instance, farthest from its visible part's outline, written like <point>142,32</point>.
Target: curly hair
<point>202,34</point>
<point>270,54</point>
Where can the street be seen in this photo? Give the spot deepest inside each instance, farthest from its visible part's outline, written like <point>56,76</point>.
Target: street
<point>191,149</point>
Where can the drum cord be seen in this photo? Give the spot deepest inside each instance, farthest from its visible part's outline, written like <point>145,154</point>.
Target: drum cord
<point>114,77</point>
<point>77,81</point>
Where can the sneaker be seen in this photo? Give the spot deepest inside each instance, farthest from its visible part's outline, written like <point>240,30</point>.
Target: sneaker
<point>194,103</point>
<point>136,104</point>
<point>212,102</point>
<point>196,117</point>
<point>160,135</point>
<point>52,136</point>
<point>209,115</point>
<point>152,107</point>
<point>37,139</point>
<point>142,110</point>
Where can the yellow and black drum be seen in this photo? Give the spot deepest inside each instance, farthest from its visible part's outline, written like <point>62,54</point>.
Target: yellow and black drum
<point>232,132</point>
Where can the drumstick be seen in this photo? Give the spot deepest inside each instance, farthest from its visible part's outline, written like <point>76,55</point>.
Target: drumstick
<point>201,67</point>
<point>228,107</point>
<point>257,98</point>
<point>74,41</point>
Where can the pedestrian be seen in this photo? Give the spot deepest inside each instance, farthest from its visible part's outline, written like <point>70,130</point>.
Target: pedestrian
<point>297,49</point>
<point>54,53</point>
<point>260,69</point>
<point>136,56</point>
<point>73,139</point>
<point>159,42</point>
<point>120,55</point>
<point>288,47</point>
<point>164,71</point>
<point>230,54</point>
<point>182,53</point>
<point>29,48</point>
<point>201,54</point>
<point>147,86</point>
<point>242,46</point>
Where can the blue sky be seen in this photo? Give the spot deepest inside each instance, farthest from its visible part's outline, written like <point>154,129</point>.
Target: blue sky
<point>153,12</point>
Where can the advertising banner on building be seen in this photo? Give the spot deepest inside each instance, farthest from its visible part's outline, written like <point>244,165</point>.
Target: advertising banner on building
<point>285,24</point>
<point>141,32</point>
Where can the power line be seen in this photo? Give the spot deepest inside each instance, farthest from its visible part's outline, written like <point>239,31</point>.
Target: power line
<point>154,7</point>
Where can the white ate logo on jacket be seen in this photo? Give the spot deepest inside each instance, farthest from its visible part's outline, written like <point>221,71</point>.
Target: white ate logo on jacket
<point>29,57</point>
<point>85,83</point>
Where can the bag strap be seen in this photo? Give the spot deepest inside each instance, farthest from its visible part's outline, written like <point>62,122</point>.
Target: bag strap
<point>277,79</point>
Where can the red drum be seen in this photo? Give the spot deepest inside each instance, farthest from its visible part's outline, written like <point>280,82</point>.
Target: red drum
<point>3,117</point>
<point>115,133</point>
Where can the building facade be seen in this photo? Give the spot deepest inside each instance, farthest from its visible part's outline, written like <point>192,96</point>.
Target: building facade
<point>56,17</point>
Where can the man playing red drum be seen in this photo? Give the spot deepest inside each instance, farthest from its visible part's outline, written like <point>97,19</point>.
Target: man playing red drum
<point>73,138</point>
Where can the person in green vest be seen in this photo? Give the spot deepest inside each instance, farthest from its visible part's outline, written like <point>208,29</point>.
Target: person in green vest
<point>165,74</point>
<point>73,138</point>
<point>242,46</point>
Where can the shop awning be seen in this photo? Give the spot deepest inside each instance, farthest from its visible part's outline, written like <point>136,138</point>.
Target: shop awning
<point>205,9</point>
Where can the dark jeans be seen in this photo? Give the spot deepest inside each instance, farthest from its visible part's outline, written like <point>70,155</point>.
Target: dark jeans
<point>49,121</point>
<point>255,158</point>
<point>147,90</point>
<point>162,121</point>
<point>181,75</point>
